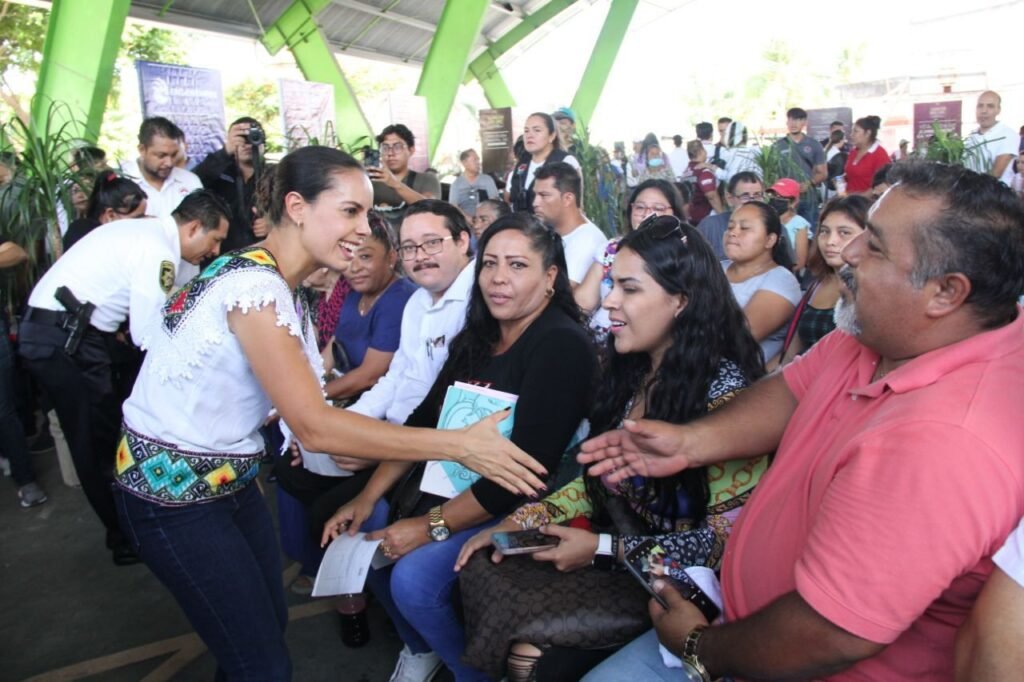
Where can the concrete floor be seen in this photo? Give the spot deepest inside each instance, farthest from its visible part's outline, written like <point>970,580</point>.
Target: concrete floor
<point>68,613</point>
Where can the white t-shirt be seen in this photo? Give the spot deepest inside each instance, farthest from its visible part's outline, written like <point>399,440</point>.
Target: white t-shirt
<point>1000,140</point>
<point>680,160</point>
<point>124,268</point>
<point>779,281</point>
<point>532,170</point>
<point>1010,557</point>
<point>427,331</point>
<point>160,202</point>
<point>580,245</point>
<point>196,389</point>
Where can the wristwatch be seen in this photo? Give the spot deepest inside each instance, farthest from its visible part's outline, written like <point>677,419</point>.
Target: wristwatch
<point>438,529</point>
<point>607,555</point>
<point>691,663</point>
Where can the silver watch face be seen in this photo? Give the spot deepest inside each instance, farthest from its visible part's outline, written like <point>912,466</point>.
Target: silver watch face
<point>439,533</point>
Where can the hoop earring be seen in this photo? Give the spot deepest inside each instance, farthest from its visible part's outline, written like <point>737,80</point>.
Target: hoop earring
<point>549,292</point>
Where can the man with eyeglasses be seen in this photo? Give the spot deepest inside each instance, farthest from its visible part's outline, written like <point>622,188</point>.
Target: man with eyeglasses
<point>745,186</point>
<point>395,185</point>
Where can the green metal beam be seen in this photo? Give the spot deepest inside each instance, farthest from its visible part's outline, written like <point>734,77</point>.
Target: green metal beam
<point>486,72</point>
<point>603,58</point>
<point>297,30</point>
<point>76,70</point>
<point>447,60</point>
<point>524,28</point>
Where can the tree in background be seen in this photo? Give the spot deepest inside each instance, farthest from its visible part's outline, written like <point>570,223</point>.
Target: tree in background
<point>262,101</point>
<point>22,33</point>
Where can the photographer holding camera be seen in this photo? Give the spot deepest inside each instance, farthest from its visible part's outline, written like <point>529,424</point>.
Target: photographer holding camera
<point>232,173</point>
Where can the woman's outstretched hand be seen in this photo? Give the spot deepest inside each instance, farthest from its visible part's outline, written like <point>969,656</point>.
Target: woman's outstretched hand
<point>487,452</point>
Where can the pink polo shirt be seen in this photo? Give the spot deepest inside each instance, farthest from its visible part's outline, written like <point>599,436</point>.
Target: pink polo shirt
<point>886,500</point>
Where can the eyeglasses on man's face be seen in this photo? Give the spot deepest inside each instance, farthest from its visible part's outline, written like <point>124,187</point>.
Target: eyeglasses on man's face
<point>395,148</point>
<point>430,247</point>
<point>750,196</point>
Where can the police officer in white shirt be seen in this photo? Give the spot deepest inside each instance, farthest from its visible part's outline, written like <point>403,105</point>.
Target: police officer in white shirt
<point>164,183</point>
<point>122,270</point>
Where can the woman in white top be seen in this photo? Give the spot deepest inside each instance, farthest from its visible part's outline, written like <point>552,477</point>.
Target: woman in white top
<point>540,140</point>
<point>759,269</point>
<point>234,342</point>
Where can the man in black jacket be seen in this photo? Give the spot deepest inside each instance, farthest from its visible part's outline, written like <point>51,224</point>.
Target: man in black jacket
<point>231,173</point>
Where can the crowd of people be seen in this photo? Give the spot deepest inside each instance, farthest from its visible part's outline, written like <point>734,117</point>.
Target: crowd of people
<point>761,426</point>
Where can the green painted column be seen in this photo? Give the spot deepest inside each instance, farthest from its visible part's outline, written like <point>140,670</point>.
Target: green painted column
<point>485,70</point>
<point>82,40</point>
<point>297,30</point>
<point>447,60</point>
<point>602,59</point>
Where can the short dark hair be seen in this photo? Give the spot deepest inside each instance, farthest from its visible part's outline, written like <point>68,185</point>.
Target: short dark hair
<point>88,156</point>
<point>694,148</point>
<point>705,130</point>
<point>402,131</point>
<point>567,178</point>
<point>797,114</point>
<point>465,154</point>
<point>677,140</point>
<point>743,176</point>
<point>158,125</point>
<point>454,219</point>
<point>979,233</point>
<point>246,119</point>
<point>836,123</point>
<point>724,119</point>
<point>204,206</point>
<point>500,207</point>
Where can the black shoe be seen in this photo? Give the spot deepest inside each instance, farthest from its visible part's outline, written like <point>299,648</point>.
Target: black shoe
<point>124,555</point>
<point>42,442</point>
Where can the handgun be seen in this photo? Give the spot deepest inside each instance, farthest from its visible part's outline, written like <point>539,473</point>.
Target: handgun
<point>77,322</point>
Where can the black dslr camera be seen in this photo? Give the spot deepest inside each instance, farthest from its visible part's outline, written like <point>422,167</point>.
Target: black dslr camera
<point>255,135</point>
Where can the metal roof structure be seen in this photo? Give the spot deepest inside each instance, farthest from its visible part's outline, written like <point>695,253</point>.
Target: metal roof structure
<point>397,31</point>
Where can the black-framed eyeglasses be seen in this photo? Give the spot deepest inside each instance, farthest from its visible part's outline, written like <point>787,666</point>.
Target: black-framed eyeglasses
<point>662,227</point>
<point>430,247</point>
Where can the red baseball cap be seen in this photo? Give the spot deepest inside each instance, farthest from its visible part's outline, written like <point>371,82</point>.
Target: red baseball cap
<point>786,187</point>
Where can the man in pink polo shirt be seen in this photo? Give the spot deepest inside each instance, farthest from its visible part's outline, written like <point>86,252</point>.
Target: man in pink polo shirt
<point>898,469</point>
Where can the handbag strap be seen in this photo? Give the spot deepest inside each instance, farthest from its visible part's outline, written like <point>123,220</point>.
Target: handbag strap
<point>791,332</point>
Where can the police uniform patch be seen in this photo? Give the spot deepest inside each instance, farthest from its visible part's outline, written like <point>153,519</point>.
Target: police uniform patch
<point>166,276</point>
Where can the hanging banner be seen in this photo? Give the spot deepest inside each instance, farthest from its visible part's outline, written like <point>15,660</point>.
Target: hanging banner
<point>819,121</point>
<point>496,140</point>
<point>307,112</point>
<point>948,115</point>
<point>191,98</point>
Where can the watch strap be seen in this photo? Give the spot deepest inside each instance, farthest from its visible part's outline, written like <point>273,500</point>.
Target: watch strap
<point>690,657</point>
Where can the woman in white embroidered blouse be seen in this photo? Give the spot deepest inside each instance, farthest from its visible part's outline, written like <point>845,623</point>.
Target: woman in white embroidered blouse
<point>233,343</point>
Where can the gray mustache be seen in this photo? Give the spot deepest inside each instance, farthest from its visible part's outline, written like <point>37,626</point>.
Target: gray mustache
<point>846,277</point>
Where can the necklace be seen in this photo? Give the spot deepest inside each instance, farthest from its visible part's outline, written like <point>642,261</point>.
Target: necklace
<point>366,302</point>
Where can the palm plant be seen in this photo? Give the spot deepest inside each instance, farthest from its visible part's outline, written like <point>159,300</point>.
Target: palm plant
<point>602,188</point>
<point>948,147</point>
<point>42,179</point>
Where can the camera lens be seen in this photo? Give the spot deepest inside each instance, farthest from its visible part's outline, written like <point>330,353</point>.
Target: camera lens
<point>255,136</point>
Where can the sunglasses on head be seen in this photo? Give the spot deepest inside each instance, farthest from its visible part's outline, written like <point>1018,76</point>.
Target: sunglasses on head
<point>662,227</point>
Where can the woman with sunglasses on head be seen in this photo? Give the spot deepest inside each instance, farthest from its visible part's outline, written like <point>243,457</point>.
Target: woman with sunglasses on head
<point>370,324</point>
<point>679,347</point>
<point>842,219</point>
<point>541,146</point>
<point>760,274</point>
<point>524,335</point>
<point>650,198</point>
<point>113,198</point>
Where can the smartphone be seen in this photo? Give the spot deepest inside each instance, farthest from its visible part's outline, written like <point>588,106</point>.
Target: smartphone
<point>371,158</point>
<point>523,542</point>
<point>648,562</point>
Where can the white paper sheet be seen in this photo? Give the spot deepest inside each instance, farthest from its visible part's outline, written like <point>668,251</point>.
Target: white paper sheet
<point>345,565</point>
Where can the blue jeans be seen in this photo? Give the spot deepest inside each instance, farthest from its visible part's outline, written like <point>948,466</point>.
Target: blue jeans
<point>221,562</point>
<point>808,209</point>
<point>416,591</point>
<point>12,434</point>
<point>638,660</point>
